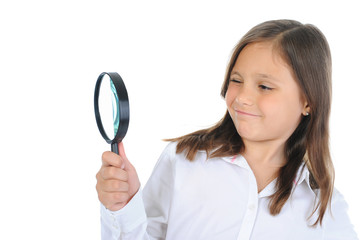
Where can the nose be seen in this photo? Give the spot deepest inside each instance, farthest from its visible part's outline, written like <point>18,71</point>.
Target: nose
<point>245,96</point>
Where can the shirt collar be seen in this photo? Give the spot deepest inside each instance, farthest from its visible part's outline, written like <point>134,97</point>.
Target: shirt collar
<point>303,174</point>
<point>238,160</point>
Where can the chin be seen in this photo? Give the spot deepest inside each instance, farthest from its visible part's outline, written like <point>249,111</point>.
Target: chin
<point>252,136</point>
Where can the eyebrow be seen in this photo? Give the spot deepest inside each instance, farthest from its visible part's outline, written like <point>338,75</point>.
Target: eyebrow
<point>236,73</point>
<point>267,76</point>
<point>260,75</point>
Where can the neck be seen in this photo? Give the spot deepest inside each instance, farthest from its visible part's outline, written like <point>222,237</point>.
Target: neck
<point>265,153</point>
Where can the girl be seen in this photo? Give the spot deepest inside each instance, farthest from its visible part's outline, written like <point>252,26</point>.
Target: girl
<point>263,172</point>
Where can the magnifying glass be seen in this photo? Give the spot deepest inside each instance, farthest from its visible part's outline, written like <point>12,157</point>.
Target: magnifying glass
<point>111,107</point>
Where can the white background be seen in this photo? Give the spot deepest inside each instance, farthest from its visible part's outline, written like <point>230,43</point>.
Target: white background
<point>172,57</point>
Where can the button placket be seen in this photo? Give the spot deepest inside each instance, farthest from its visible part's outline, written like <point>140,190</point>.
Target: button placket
<point>252,207</point>
<point>115,225</point>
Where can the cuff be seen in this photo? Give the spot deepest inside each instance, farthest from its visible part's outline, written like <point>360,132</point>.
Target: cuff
<point>128,218</point>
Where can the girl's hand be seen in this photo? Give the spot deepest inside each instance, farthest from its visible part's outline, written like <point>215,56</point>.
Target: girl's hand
<point>117,180</point>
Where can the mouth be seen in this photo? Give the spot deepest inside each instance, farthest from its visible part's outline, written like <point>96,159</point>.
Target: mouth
<point>238,112</point>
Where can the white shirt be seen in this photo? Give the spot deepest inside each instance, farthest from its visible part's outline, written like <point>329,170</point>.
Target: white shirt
<point>218,199</point>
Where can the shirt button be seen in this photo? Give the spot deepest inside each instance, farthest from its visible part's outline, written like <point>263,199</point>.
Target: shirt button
<point>251,207</point>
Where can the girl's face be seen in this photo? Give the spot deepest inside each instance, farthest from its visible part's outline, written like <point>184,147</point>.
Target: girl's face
<point>263,99</point>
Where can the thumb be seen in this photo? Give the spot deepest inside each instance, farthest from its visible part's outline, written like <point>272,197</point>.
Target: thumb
<point>133,179</point>
<point>126,164</point>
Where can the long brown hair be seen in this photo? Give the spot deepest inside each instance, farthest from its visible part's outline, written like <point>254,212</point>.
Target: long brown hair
<point>306,51</point>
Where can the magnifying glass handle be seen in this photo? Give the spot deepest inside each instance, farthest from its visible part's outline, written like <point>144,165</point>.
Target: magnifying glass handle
<point>115,148</point>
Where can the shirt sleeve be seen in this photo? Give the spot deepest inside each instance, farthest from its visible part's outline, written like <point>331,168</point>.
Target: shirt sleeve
<point>126,222</point>
<point>338,225</point>
<point>158,193</point>
<point>145,217</point>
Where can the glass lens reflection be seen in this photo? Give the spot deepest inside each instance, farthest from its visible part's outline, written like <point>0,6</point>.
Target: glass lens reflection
<point>108,107</point>
<point>115,104</point>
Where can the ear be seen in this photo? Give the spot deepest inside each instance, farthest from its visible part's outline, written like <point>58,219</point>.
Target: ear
<point>306,109</point>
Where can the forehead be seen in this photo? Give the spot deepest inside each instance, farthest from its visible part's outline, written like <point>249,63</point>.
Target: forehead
<point>262,59</point>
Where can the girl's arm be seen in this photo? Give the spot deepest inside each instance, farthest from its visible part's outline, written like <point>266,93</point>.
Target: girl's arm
<point>145,216</point>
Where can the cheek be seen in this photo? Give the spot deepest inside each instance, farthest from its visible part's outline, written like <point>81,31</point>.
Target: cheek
<point>285,110</point>
<point>269,106</point>
<point>228,101</point>
<point>294,106</point>
<point>230,96</point>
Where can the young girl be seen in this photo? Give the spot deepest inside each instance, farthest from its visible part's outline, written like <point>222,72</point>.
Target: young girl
<point>263,172</point>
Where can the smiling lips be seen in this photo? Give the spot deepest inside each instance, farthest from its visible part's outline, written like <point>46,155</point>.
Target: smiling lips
<point>246,114</point>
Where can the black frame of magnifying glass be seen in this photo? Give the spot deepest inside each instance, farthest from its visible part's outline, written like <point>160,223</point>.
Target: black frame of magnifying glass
<point>123,109</point>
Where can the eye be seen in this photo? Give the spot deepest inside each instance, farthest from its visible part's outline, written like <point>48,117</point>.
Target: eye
<point>264,87</point>
<point>236,81</point>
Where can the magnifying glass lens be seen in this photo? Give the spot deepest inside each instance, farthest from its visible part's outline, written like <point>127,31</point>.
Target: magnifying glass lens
<point>115,104</point>
<point>108,107</point>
